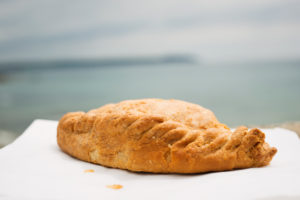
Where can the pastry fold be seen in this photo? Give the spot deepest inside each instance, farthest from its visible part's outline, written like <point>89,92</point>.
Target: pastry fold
<point>160,136</point>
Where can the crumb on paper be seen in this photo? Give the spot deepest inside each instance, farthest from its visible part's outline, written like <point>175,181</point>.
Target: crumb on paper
<point>115,186</point>
<point>89,170</point>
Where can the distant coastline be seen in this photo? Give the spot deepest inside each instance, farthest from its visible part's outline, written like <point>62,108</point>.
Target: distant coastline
<point>6,67</point>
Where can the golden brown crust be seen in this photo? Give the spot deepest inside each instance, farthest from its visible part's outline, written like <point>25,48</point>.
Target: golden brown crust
<point>160,136</point>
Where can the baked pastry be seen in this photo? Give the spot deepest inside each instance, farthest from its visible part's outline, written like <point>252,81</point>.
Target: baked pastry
<point>160,136</point>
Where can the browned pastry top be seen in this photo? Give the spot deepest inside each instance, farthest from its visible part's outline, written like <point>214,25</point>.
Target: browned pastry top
<point>161,136</point>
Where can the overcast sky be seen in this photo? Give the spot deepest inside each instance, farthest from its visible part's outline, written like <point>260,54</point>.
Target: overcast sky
<point>217,31</point>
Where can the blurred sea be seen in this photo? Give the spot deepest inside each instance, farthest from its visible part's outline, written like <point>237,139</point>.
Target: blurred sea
<point>239,94</point>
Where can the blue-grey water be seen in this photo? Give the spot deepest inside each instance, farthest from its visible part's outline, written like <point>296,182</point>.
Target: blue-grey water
<point>239,94</point>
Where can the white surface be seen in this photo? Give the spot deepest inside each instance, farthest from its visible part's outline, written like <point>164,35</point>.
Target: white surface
<point>33,167</point>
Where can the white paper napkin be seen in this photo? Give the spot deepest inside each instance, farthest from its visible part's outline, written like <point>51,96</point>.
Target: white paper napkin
<point>33,167</point>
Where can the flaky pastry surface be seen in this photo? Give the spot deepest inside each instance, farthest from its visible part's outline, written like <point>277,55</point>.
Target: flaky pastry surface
<point>160,136</point>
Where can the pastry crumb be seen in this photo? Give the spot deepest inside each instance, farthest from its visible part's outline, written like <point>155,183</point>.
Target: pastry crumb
<point>89,170</point>
<point>115,186</point>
